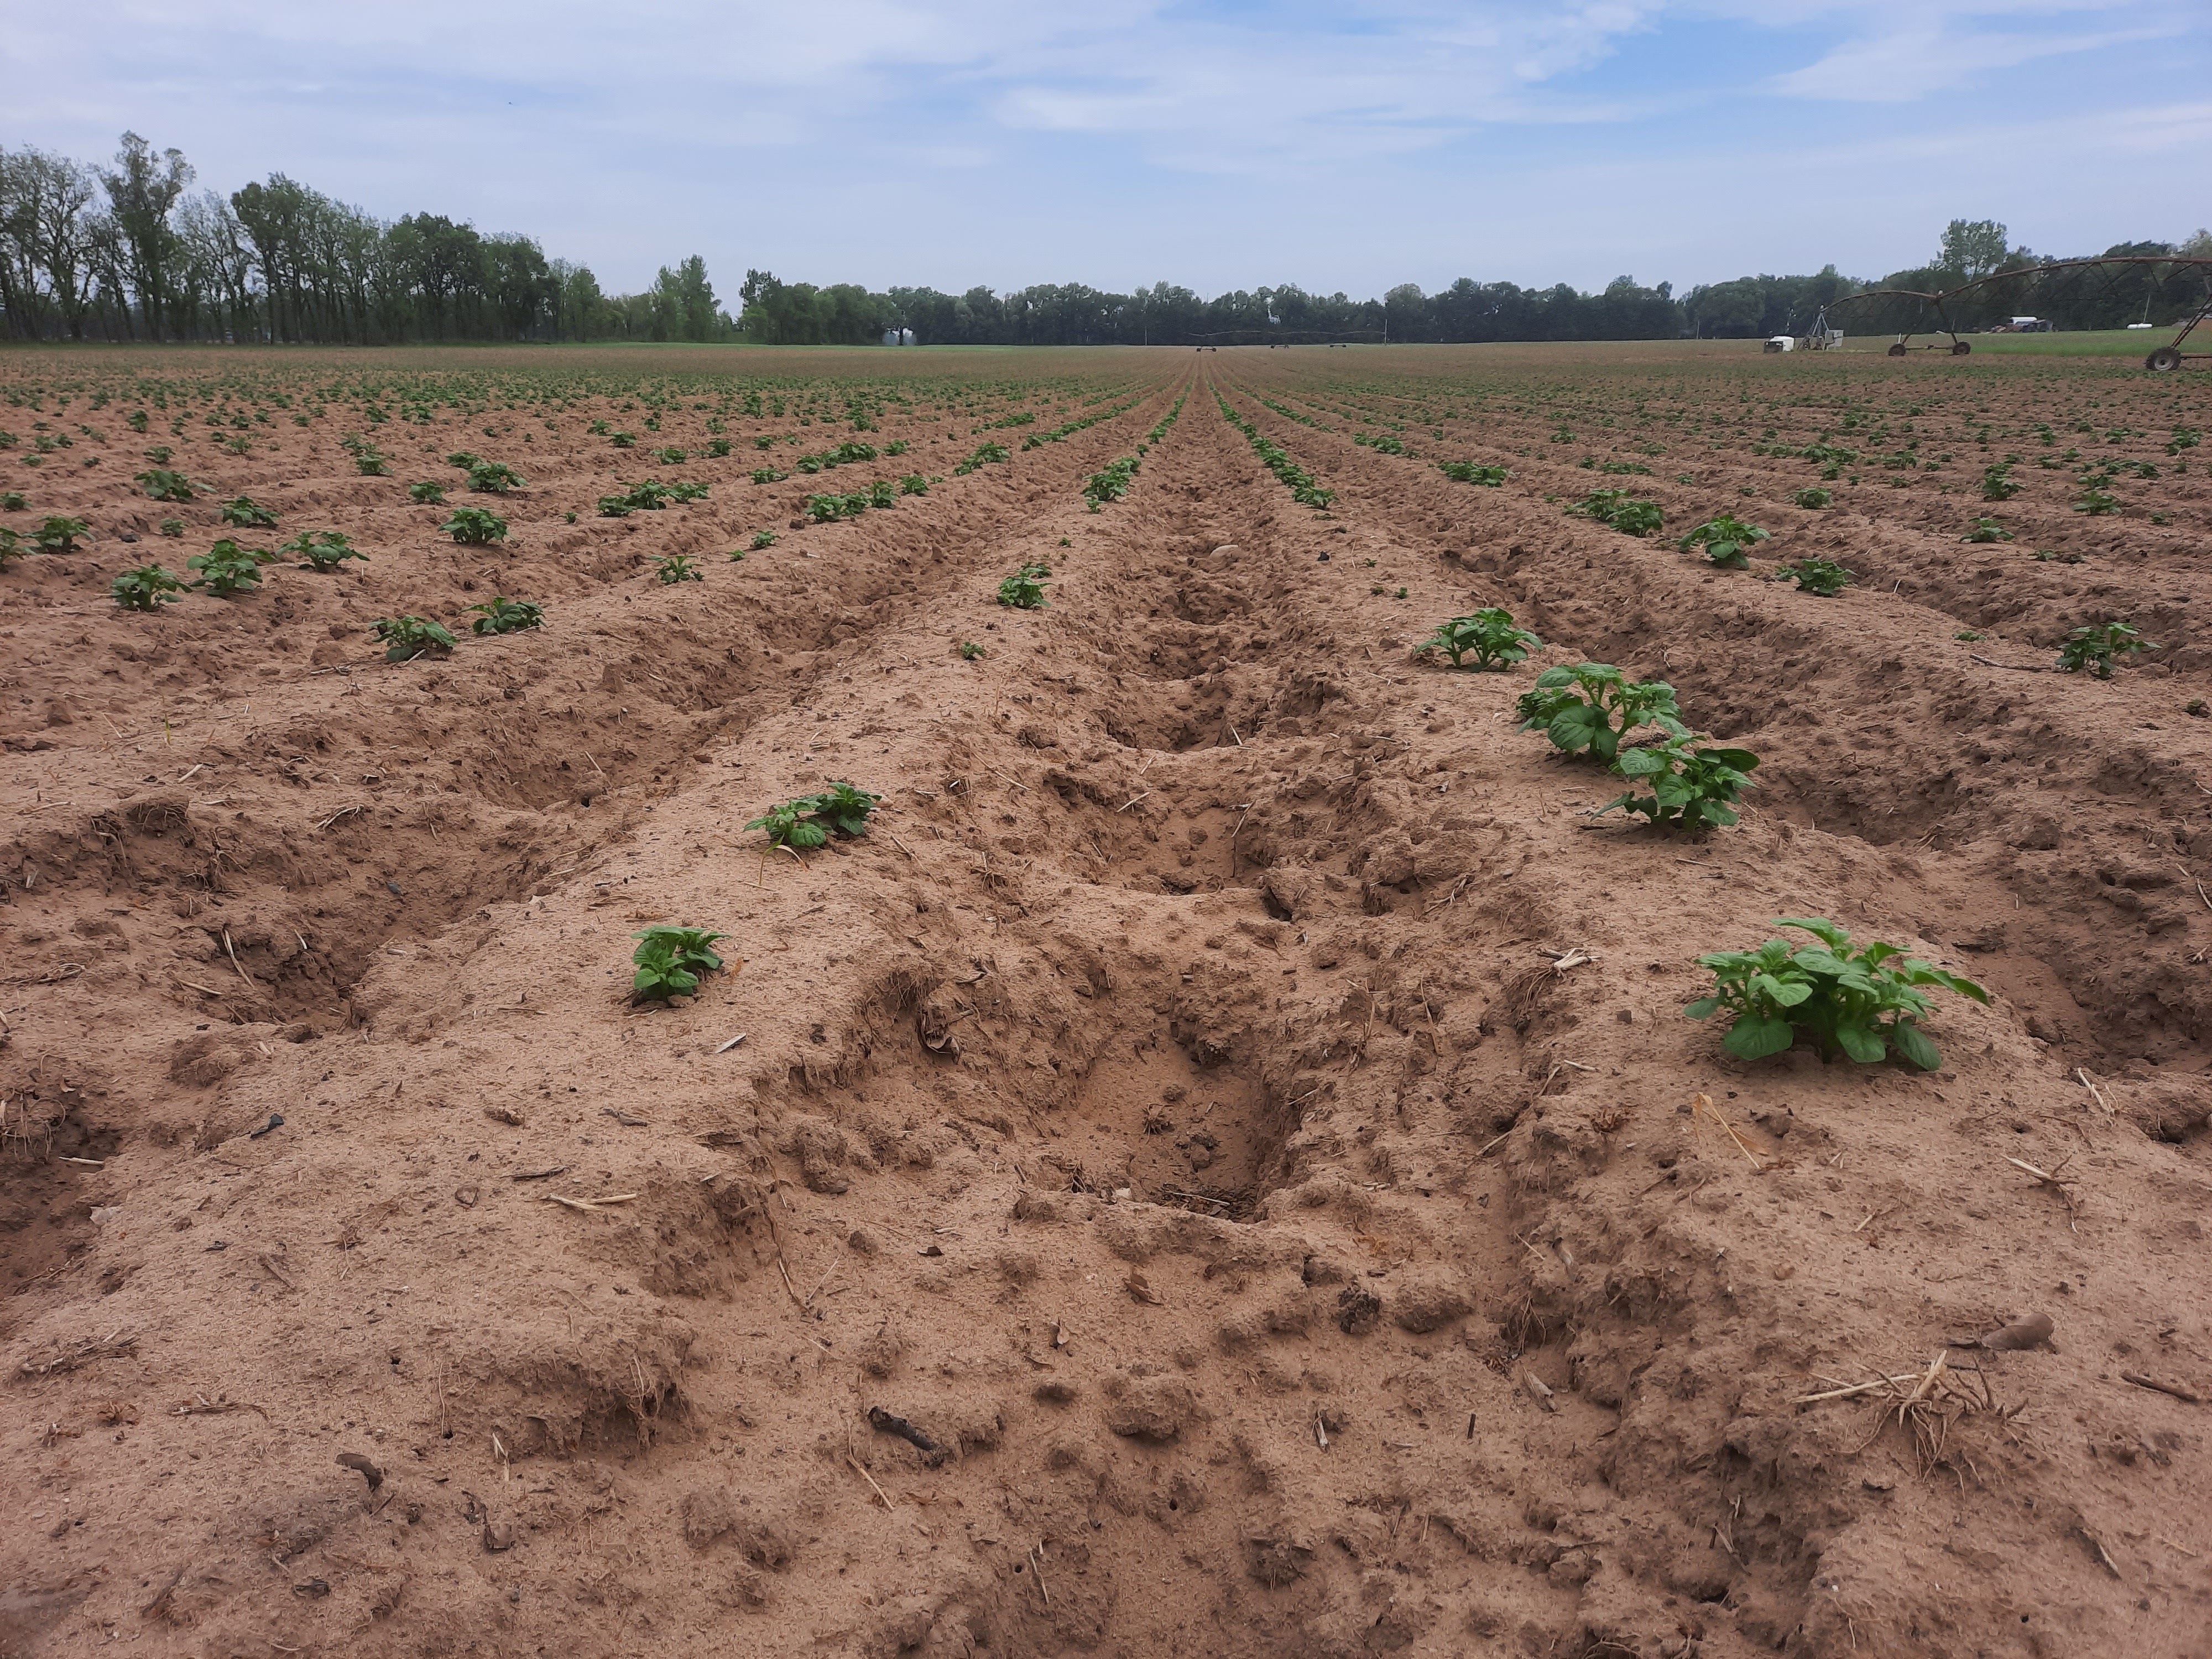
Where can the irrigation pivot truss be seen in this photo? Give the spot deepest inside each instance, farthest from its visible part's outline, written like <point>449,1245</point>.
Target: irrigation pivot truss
<point>2062,281</point>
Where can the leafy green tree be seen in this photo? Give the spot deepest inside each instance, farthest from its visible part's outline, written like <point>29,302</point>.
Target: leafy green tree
<point>143,192</point>
<point>1972,247</point>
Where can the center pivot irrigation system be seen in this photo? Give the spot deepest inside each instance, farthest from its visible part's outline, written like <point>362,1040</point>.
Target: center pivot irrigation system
<point>2062,281</point>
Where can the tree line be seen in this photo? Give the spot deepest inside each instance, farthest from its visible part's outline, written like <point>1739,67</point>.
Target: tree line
<point>129,251</point>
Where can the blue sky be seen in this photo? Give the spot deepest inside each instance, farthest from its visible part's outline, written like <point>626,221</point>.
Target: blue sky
<point>1227,144</point>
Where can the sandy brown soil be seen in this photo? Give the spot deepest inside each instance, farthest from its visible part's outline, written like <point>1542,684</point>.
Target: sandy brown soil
<point>1234,1108</point>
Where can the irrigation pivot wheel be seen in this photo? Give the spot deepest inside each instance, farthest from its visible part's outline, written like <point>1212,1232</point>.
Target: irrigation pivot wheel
<point>2163,360</point>
<point>1897,349</point>
<point>1960,348</point>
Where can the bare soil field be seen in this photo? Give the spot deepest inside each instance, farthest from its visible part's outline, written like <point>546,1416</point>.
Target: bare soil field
<point>1220,1167</point>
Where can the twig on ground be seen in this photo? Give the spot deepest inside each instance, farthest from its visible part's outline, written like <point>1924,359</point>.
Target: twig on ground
<point>2153,1383</point>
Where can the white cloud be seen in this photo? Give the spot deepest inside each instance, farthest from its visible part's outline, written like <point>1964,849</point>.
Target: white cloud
<point>1337,143</point>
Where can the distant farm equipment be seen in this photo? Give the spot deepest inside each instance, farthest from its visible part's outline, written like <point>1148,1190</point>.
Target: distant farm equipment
<point>1987,303</point>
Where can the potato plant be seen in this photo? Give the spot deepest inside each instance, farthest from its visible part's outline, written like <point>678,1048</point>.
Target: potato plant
<point>1592,705</point>
<point>1618,509</point>
<point>1111,482</point>
<point>841,808</point>
<point>671,960</point>
<point>2093,647</point>
<point>1987,530</point>
<point>1811,497</point>
<point>494,478</point>
<point>1490,636</point>
<point>146,588</point>
<point>11,546</point>
<point>475,526</point>
<point>246,513</point>
<point>1472,472</point>
<point>1025,589</point>
<point>1689,788</point>
<point>424,492</point>
<point>59,534</point>
<point>228,569</point>
<point>322,550</point>
<point>984,454</point>
<point>1823,578</point>
<point>406,638</point>
<point>505,615</point>
<point>828,509</point>
<point>1857,1002</point>
<point>1726,540</point>
<point>163,485</point>
<point>673,568</point>
<point>13,500</point>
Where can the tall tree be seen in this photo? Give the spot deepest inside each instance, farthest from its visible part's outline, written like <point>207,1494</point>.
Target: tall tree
<point>142,190</point>
<point>1973,248</point>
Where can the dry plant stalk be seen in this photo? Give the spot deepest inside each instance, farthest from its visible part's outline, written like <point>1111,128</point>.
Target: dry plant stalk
<point>1703,1107</point>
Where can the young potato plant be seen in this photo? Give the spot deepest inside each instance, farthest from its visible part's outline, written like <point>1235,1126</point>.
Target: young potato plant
<point>173,528</point>
<point>425,493</point>
<point>322,550</point>
<point>1987,530</point>
<point>983,455</point>
<point>828,509</point>
<point>970,651</point>
<point>494,478</point>
<point>1726,540</point>
<point>1690,787</point>
<point>463,459</point>
<point>765,475</point>
<point>762,538</point>
<point>1823,578</point>
<point>1619,510</point>
<point>1837,999</point>
<point>913,483</point>
<point>228,569</point>
<point>671,961</point>
<point>883,493</point>
<point>1023,589</point>
<point>1592,705</point>
<point>673,568</point>
<point>1997,483</point>
<point>1812,497</point>
<point>406,638</point>
<point>147,587</point>
<point>370,462</point>
<point>1489,635</point>
<point>11,547</point>
<point>59,534</point>
<point>475,526</point>
<point>505,615</point>
<point>810,820</point>
<point>13,500</point>
<point>1110,482</point>
<point>248,514</point>
<point>2094,646</point>
<point>164,485</point>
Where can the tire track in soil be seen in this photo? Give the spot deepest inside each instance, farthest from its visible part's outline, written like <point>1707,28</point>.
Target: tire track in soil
<point>1192,886</point>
